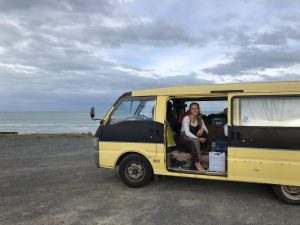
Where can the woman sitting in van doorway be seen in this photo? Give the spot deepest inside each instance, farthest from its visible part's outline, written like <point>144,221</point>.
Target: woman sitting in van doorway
<point>193,134</point>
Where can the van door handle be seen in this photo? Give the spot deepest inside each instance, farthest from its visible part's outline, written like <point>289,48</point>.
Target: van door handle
<point>235,136</point>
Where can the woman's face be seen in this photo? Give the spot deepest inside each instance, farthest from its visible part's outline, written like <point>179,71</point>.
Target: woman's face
<point>194,110</point>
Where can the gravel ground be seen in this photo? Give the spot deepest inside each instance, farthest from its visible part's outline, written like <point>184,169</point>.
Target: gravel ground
<point>52,179</point>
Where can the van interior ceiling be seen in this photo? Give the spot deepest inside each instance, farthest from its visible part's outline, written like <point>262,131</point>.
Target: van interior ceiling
<point>213,157</point>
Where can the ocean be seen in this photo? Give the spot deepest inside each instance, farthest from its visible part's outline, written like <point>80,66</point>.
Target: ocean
<point>47,122</point>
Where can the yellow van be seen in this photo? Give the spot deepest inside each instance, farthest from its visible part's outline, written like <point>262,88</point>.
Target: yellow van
<point>253,135</point>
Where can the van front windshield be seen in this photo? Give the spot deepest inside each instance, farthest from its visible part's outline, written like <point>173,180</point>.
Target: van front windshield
<point>133,110</point>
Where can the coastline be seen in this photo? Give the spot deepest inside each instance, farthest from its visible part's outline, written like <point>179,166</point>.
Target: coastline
<point>47,123</point>
<point>46,135</point>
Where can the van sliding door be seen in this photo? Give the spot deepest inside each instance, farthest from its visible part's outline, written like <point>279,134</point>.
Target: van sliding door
<point>264,138</point>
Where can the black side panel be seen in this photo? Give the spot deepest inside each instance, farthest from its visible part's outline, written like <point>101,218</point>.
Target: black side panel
<point>132,131</point>
<point>265,137</point>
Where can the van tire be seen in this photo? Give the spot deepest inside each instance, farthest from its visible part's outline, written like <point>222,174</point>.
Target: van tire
<point>287,194</point>
<point>135,171</point>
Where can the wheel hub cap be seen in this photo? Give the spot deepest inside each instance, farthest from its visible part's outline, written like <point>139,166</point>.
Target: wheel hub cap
<point>135,171</point>
<point>292,192</point>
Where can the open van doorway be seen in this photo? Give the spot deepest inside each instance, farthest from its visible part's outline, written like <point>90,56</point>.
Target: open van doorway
<point>181,156</point>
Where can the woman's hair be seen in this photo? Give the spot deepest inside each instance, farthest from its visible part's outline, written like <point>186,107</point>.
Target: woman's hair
<point>194,103</point>
<point>199,115</point>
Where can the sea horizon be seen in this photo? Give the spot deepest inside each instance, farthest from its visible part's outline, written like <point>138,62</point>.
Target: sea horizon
<point>53,122</point>
<point>45,122</point>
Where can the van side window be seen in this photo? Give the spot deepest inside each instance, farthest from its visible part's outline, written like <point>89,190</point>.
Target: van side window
<point>281,111</point>
<point>133,110</point>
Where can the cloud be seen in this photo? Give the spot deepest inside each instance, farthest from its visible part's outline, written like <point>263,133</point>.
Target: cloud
<point>256,59</point>
<point>155,33</point>
<point>73,90</point>
<point>71,54</point>
<point>90,6</point>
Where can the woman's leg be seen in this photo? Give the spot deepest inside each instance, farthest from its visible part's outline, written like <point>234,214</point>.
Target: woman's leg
<point>194,144</point>
<point>188,143</point>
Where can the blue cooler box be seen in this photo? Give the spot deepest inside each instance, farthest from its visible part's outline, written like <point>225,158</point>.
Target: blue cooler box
<point>219,146</point>
<point>218,121</point>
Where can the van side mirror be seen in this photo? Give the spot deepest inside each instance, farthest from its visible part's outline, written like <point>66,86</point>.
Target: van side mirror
<point>92,112</point>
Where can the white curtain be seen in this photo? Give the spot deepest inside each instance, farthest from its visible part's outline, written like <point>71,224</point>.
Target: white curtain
<point>270,111</point>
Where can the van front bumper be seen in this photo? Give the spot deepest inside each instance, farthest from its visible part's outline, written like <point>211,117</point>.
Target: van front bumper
<point>96,153</point>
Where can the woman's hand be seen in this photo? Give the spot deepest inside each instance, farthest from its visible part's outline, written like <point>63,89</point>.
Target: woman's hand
<point>202,140</point>
<point>200,132</point>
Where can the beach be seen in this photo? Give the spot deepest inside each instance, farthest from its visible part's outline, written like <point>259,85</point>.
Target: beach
<point>52,179</point>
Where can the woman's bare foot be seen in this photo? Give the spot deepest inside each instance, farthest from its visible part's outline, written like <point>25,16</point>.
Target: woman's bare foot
<point>200,167</point>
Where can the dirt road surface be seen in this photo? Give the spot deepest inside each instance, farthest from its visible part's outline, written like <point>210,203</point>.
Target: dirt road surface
<point>53,180</point>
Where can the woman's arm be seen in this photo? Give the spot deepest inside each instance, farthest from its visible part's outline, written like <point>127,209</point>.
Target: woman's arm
<point>186,127</point>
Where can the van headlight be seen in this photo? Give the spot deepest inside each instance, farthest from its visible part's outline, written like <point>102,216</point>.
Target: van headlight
<point>96,143</point>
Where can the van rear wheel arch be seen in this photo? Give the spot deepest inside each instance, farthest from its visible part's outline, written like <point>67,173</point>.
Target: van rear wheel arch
<point>123,156</point>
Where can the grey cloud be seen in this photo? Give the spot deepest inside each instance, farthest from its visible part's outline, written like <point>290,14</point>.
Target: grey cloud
<point>279,35</point>
<point>271,38</point>
<point>96,6</point>
<point>280,5</point>
<point>36,42</point>
<point>74,20</point>
<point>157,33</point>
<point>243,37</point>
<point>256,59</point>
<point>60,39</point>
<point>283,77</point>
<point>276,30</point>
<point>49,56</point>
<point>79,92</point>
<point>291,16</point>
<point>21,5</point>
<point>9,35</point>
<point>225,18</point>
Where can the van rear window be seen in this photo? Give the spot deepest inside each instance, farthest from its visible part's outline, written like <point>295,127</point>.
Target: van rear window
<point>269,111</point>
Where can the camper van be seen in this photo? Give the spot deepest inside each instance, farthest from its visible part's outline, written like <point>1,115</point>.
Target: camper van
<point>253,133</point>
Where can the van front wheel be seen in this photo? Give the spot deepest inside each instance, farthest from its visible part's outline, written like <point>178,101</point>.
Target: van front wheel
<point>135,171</point>
<point>287,194</point>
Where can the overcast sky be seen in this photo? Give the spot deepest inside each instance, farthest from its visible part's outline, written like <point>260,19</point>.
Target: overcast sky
<point>68,55</point>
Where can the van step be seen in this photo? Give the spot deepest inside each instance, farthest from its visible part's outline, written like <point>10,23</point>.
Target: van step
<point>182,170</point>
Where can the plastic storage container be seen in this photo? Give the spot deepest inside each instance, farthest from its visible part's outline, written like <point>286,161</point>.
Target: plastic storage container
<point>217,161</point>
